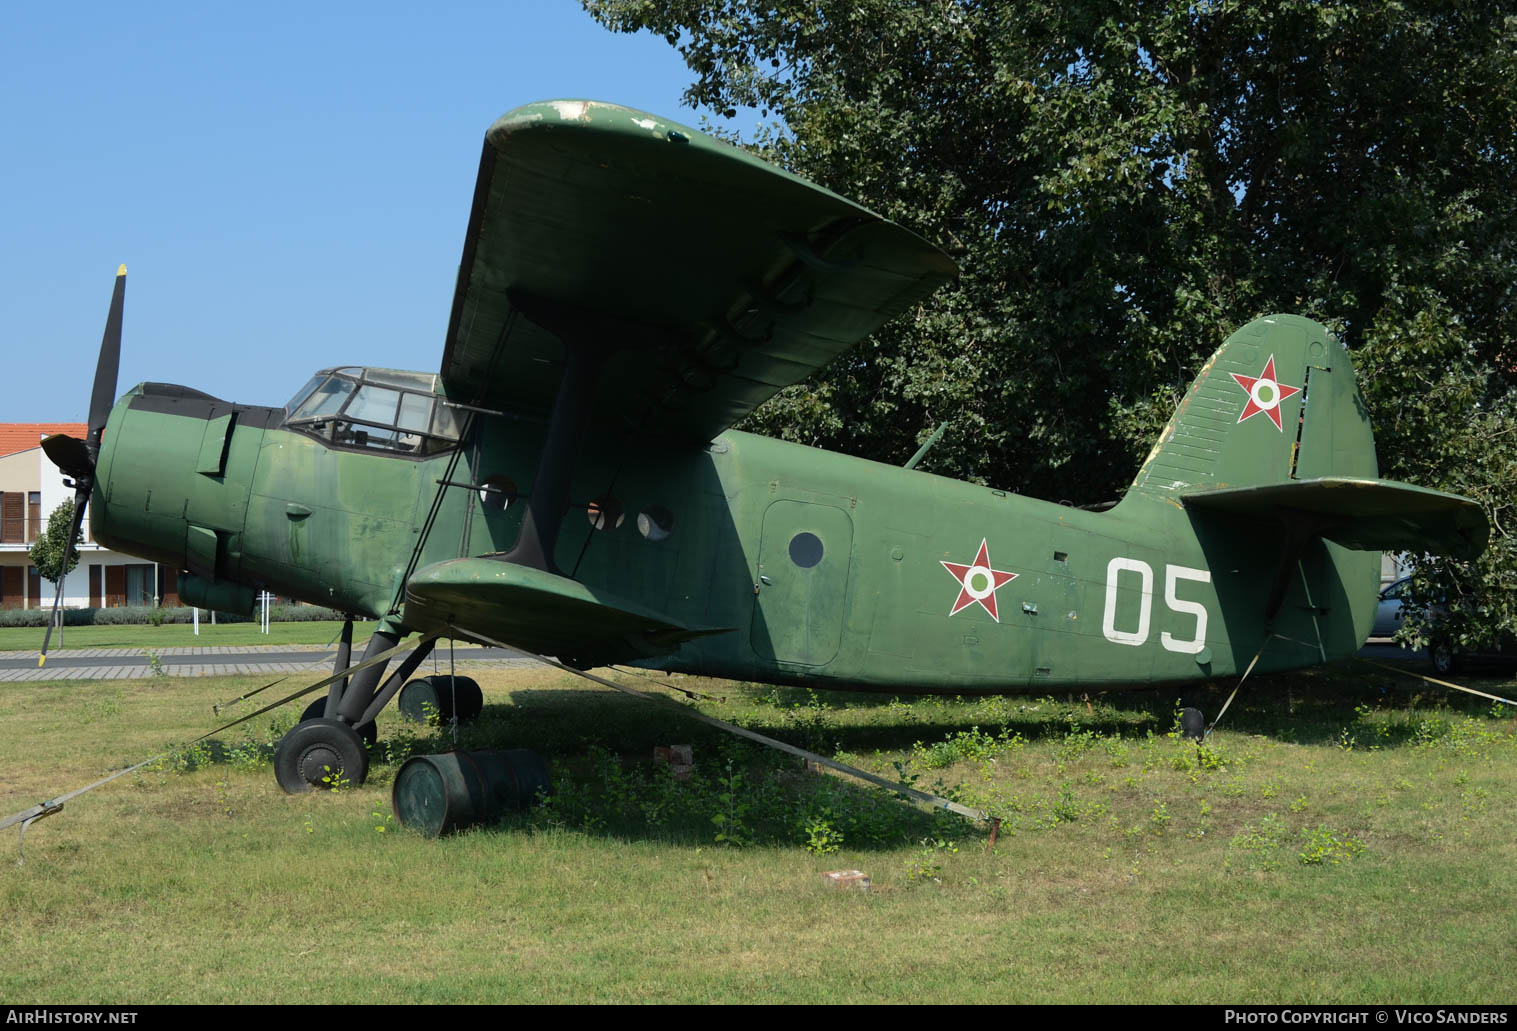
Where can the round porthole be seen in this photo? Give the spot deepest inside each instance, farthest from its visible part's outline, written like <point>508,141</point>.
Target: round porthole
<point>805,549</point>
<point>655,522</point>
<point>605,513</point>
<point>497,493</point>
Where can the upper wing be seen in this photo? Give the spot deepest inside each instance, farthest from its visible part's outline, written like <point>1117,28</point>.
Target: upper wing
<point>718,278</point>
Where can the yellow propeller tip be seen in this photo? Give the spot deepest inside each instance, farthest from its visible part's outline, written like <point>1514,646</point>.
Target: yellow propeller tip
<point>121,270</point>
<point>41,661</point>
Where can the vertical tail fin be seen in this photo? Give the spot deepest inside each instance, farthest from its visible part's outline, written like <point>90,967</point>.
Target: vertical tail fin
<point>1277,402</point>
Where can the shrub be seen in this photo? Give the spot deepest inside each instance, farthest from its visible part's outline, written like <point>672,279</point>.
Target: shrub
<point>143,615</point>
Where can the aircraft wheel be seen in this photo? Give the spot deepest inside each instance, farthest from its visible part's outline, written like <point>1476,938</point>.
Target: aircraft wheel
<point>1192,724</point>
<point>1445,659</point>
<point>319,753</point>
<point>318,709</point>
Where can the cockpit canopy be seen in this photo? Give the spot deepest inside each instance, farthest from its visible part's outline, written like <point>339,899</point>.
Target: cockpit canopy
<point>376,410</point>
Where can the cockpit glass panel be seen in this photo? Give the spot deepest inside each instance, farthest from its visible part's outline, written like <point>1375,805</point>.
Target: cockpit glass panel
<point>425,382</point>
<point>415,412</point>
<point>325,399</point>
<point>374,404</point>
<point>445,423</point>
<point>376,410</point>
<point>305,392</point>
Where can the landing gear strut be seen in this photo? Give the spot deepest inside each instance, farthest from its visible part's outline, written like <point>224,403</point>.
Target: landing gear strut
<point>330,743</point>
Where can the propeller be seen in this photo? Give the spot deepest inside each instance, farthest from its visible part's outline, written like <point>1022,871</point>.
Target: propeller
<point>77,457</point>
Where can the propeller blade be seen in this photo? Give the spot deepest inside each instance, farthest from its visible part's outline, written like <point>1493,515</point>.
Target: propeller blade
<point>81,499</point>
<point>104,394</point>
<point>70,454</point>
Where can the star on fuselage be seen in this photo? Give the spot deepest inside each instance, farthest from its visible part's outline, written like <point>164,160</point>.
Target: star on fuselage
<point>978,582</point>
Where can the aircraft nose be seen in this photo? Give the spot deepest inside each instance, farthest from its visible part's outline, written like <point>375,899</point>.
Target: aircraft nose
<point>176,470</point>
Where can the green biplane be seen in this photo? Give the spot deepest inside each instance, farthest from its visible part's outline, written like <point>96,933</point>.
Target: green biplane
<point>569,482</point>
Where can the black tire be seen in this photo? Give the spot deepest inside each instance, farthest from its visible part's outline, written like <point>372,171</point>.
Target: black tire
<point>318,710</point>
<point>1192,724</point>
<point>320,753</point>
<point>1444,658</point>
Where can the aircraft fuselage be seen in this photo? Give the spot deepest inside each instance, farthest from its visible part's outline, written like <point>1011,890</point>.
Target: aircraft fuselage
<point>828,569</point>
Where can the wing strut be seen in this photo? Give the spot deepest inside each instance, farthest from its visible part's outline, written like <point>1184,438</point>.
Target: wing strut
<point>549,499</point>
<point>978,815</point>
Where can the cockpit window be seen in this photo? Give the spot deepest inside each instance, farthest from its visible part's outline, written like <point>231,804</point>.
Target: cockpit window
<point>374,404</point>
<point>415,413</point>
<point>325,399</point>
<point>304,393</point>
<point>378,409</point>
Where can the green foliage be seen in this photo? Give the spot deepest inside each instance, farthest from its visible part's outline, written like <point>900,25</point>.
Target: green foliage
<point>1122,189</point>
<point>1323,846</point>
<point>732,808</point>
<point>51,552</point>
<point>148,615</point>
<point>1257,846</point>
<point>927,864</point>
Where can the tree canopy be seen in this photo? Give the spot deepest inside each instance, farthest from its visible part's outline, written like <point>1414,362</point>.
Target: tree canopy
<point>1124,185</point>
<point>51,552</point>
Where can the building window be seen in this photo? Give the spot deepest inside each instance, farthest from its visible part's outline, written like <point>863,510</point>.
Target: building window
<point>34,514</point>
<point>13,517</point>
<point>140,584</point>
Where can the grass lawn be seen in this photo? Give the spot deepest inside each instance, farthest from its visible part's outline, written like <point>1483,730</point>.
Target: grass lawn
<point>177,635</point>
<point>1343,838</point>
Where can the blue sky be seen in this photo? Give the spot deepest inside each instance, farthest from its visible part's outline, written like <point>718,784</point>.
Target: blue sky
<point>287,183</point>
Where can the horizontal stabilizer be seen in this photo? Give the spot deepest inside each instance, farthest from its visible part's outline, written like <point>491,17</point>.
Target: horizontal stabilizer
<point>540,611</point>
<point>1368,515</point>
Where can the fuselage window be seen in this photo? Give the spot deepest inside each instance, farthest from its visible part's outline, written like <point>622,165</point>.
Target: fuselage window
<point>497,493</point>
<point>805,549</point>
<point>605,513</point>
<point>655,522</point>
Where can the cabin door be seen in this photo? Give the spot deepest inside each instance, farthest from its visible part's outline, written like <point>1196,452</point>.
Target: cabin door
<point>802,583</point>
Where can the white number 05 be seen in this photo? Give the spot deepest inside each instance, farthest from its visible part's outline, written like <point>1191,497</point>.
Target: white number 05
<point>1172,575</point>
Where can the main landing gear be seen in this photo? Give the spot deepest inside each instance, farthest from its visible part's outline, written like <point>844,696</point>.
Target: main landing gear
<point>330,745</point>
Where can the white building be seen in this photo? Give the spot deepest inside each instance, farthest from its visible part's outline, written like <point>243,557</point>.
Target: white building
<point>31,487</point>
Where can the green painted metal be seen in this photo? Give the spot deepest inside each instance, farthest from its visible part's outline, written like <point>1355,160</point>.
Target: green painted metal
<point>438,794</point>
<point>719,278</point>
<point>759,559</point>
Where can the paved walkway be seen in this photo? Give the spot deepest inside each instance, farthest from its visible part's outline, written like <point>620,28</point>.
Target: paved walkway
<point>136,663</point>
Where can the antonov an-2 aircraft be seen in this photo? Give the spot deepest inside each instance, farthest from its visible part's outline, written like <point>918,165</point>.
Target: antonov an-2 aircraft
<point>569,482</point>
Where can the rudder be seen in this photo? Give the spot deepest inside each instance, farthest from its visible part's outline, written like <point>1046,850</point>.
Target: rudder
<point>1278,401</point>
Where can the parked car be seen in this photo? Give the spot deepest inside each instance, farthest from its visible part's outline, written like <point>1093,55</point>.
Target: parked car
<point>1443,654</point>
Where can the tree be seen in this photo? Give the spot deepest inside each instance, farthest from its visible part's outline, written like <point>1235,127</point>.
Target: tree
<point>51,552</point>
<point>1123,185</point>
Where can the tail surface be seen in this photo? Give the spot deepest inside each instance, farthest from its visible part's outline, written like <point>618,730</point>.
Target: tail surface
<point>1277,402</point>
<point>1274,426</point>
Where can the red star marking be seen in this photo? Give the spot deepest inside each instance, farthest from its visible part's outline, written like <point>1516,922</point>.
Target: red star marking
<point>978,582</point>
<point>1264,393</point>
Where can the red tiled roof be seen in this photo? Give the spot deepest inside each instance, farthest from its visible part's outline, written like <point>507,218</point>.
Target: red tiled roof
<point>19,436</point>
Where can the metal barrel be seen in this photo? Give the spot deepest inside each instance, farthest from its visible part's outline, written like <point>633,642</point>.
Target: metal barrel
<point>425,696</point>
<point>437,794</point>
